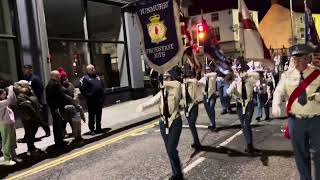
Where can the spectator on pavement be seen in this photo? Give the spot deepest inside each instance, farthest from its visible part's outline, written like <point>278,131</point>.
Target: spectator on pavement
<point>77,114</point>
<point>68,89</point>
<point>92,88</point>
<point>7,127</point>
<point>57,99</point>
<point>28,109</point>
<point>38,90</point>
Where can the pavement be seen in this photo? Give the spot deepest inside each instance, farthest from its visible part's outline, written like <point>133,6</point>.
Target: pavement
<point>139,153</point>
<point>113,118</point>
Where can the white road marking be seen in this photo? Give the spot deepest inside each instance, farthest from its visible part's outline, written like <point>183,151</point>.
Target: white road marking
<point>230,139</point>
<point>201,159</point>
<point>193,164</point>
<point>197,126</point>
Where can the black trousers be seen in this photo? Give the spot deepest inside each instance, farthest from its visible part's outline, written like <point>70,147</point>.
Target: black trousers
<point>30,129</point>
<point>95,113</point>
<point>44,118</point>
<point>58,126</point>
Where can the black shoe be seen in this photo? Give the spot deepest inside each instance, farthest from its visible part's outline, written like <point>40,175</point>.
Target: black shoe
<point>177,177</point>
<point>250,149</point>
<point>213,129</point>
<point>267,119</point>
<point>92,133</point>
<point>224,112</point>
<point>98,131</point>
<point>258,118</point>
<point>32,152</point>
<point>61,144</point>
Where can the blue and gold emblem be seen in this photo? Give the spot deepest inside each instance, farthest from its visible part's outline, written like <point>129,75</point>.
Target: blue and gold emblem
<point>156,29</point>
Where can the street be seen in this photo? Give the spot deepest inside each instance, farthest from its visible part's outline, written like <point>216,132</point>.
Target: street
<point>139,153</point>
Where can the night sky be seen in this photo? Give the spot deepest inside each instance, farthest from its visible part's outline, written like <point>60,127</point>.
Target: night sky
<point>260,5</point>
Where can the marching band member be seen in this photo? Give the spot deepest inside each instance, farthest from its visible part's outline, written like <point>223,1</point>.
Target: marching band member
<point>242,89</point>
<point>302,85</point>
<point>170,123</point>
<point>209,95</point>
<point>190,93</point>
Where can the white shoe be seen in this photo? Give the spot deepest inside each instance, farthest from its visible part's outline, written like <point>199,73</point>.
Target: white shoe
<point>9,163</point>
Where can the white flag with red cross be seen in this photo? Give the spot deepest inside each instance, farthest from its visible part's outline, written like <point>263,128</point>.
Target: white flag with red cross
<point>254,46</point>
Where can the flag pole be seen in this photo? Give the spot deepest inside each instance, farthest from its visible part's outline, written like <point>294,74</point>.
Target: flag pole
<point>241,31</point>
<point>292,27</point>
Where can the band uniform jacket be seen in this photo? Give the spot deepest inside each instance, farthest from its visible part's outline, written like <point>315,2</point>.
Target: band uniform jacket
<point>194,90</point>
<point>288,83</point>
<point>211,78</point>
<point>235,89</point>
<point>174,90</point>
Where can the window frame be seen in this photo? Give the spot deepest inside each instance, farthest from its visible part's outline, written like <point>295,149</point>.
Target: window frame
<point>214,17</point>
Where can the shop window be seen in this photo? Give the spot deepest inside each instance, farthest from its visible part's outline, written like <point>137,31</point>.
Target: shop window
<point>8,61</point>
<point>5,17</point>
<point>72,56</point>
<point>64,18</point>
<point>110,63</point>
<point>104,21</point>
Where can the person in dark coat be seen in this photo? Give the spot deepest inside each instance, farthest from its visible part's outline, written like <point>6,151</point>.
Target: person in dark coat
<point>68,89</point>
<point>38,89</point>
<point>57,99</point>
<point>92,88</point>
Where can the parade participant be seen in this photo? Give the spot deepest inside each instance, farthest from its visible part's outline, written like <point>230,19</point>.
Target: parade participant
<point>209,94</point>
<point>92,88</point>
<point>191,103</point>
<point>57,99</point>
<point>38,90</point>
<point>263,95</point>
<point>225,99</point>
<point>301,85</point>
<point>7,128</point>
<point>316,59</point>
<point>242,89</point>
<point>170,123</point>
<point>28,109</point>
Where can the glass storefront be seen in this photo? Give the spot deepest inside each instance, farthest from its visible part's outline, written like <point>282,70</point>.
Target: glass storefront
<point>84,31</point>
<point>8,61</point>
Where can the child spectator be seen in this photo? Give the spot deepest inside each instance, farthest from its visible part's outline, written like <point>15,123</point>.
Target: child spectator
<point>7,128</point>
<point>77,115</point>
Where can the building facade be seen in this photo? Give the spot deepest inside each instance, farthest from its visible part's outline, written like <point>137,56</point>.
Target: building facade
<point>226,27</point>
<point>70,34</point>
<point>275,27</point>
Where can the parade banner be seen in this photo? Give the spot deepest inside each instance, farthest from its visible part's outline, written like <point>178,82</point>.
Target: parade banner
<point>159,26</point>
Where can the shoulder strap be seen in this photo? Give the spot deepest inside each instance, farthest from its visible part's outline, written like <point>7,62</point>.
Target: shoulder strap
<point>302,86</point>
